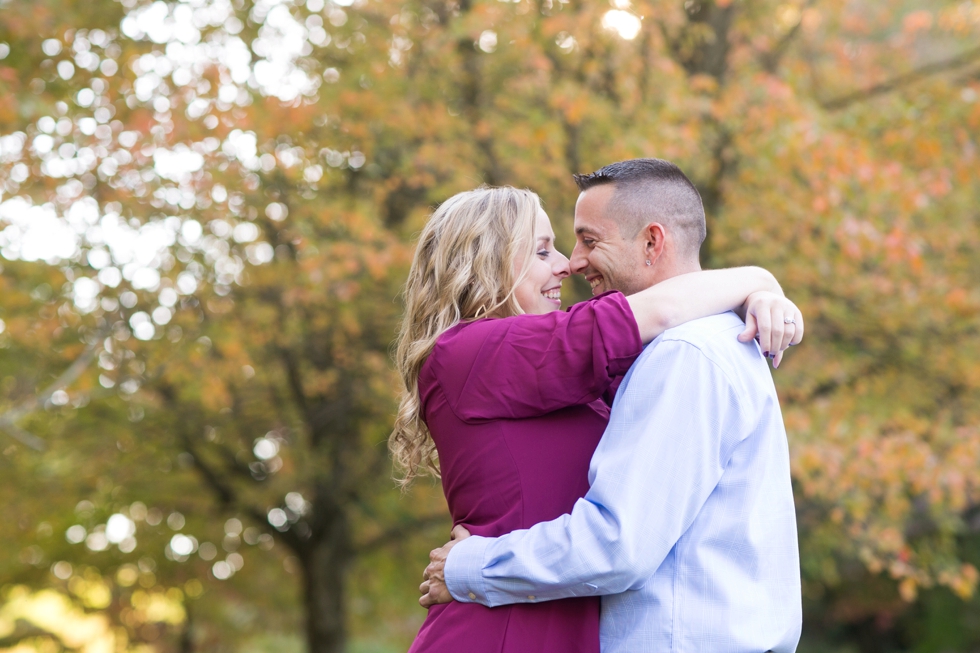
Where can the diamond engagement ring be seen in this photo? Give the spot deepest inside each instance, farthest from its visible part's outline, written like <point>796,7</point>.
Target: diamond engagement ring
<point>789,320</point>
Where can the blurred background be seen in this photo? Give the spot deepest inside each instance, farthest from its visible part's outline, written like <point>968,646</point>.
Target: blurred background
<point>208,208</point>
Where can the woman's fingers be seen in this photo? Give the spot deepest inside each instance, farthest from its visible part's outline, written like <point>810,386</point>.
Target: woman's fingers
<point>788,332</point>
<point>798,335</point>
<point>793,320</point>
<point>776,317</point>
<point>750,328</point>
<point>778,323</point>
<point>789,328</point>
<point>790,335</point>
<point>764,321</point>
<point>793,332</point>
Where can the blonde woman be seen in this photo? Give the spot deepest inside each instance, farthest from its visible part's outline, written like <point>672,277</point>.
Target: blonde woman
<point>506,396</point>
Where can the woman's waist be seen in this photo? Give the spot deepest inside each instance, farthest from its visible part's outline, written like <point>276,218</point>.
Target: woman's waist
<point>497,520</point>
<point>571,610</point>
<point>562,626</point>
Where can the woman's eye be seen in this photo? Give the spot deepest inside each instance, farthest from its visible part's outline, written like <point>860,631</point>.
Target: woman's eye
<point>543,253</point>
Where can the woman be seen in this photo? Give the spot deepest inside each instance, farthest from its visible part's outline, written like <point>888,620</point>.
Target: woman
<point>513,394</point>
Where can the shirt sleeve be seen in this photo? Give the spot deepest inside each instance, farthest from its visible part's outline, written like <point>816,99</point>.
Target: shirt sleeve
<point>530,365</point>
<point>676,425</point>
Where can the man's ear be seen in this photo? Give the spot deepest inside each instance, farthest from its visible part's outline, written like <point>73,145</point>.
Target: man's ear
<point>654,237</point>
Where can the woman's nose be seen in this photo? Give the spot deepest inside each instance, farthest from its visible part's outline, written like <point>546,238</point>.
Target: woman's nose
<point>561,269</point>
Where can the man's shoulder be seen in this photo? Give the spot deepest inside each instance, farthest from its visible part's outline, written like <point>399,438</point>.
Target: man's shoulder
<point>704,354</point>
<point>707,333</point>
<point>713,340</point>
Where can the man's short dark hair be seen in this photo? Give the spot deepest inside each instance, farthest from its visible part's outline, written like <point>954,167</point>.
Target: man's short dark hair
<point>652,190</point>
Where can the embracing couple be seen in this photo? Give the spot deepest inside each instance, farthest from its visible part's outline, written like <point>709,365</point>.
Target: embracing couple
<point>629,448</point>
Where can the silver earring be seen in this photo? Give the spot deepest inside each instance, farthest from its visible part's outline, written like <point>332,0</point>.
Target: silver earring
<point>649,263</point>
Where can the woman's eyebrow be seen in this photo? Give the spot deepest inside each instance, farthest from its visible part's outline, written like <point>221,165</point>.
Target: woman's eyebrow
<point>546,239</point>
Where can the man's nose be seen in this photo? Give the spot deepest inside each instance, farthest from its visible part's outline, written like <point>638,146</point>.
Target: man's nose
<point>579,261</point>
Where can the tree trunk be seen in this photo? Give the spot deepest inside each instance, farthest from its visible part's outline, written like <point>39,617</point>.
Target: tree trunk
<point>711,190</point>
<point>186,643</point>
<point>324,560</point>
<point>702,48</point>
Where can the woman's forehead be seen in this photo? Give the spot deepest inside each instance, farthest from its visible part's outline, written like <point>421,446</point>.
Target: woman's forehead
<point>542,226</point>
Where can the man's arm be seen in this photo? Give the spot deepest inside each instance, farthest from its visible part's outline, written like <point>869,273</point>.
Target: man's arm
<point>671,435</point>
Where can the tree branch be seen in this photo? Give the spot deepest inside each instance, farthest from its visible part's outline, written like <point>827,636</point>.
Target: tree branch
<point>26,438</point>
<point>959,61</point>
<point>770,60</point>
<point>23,631</point>
<point>9,419</point>
<point>399,531</point>
<point>227,494</point>
<point>222,488</point>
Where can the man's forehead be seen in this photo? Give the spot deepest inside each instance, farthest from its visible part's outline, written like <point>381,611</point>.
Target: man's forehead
<point>590,210</point>
<point>587,227</point>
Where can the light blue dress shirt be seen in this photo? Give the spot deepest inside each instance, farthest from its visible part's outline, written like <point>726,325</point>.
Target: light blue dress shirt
<point>689,528</point>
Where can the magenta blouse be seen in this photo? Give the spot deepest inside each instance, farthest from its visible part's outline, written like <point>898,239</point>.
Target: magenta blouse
<point>515,407</point>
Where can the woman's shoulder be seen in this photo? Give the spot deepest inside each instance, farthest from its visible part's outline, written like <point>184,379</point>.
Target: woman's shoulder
<point>456,342</point>
<point>475,334</point>
<point>453,346</point>
<point>458,347</point>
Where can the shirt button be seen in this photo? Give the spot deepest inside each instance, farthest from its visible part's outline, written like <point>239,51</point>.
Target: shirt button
<point>472,596</point>
<point>531,597</point>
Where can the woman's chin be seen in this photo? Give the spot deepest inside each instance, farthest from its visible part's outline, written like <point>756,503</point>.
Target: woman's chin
<point>544,306</point>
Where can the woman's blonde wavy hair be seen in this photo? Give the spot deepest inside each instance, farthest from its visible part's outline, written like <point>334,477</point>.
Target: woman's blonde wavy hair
<point>464,268</point>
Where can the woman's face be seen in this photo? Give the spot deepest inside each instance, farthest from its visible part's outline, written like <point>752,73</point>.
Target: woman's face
<point>540,292</point>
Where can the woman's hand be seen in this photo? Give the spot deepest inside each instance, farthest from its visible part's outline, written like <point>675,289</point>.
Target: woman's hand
<point>776,320</point>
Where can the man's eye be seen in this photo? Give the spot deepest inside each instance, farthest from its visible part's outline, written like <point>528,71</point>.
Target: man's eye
<point>588,242</point>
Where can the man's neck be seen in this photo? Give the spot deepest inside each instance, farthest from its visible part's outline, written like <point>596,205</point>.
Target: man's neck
<point>675,270</point>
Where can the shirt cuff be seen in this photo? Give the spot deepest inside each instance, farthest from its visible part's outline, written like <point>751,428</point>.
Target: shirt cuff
<point>464,570</point>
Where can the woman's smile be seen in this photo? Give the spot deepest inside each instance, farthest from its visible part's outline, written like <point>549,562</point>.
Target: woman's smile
<point>553,294</point>
<point>540,290</point>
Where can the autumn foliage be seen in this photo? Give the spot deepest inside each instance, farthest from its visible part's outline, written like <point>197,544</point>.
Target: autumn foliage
<point>241,182</point>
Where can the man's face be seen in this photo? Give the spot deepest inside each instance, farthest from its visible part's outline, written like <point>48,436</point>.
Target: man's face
<point>608,261</point>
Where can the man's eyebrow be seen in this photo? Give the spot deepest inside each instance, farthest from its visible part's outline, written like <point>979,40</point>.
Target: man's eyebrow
<point>586,230</point>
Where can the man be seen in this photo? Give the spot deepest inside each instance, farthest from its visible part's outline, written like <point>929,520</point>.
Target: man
<point>689,528</point>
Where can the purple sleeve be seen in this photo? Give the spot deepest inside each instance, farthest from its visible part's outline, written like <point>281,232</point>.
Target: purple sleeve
<point>529,365</point>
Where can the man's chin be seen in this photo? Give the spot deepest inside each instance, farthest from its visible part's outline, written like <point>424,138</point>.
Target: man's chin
<point>601,288</point>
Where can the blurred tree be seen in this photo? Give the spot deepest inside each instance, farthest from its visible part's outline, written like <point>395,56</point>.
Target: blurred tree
<point>271,383</point>
<point>242,180</point>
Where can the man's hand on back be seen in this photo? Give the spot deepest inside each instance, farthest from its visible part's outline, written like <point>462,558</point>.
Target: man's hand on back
<point>433,589</point>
